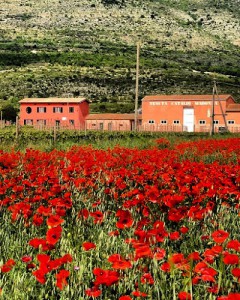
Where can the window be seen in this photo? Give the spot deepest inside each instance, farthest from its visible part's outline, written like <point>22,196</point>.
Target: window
<point>163,121</point>
<point>202,122</point>
<point>230,122</point>
<point>71,122</point>
<point>57,109</point>
<point>41,122</point>
<point>41,109</point>
<point>71,109</point>
<point>28,110</point>
<point>215,122</point>
<point>28,122</point>
<point>57,123</point>
<point>176,122</point>
<point>151,121</point>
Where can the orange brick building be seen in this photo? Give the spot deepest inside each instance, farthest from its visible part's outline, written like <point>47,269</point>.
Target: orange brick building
<point>62,112</point>
<point>189,113</point>
<point>159,113</point>
<point>112,122</point>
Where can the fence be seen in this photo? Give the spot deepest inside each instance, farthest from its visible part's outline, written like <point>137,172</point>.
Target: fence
<point>124,127</point>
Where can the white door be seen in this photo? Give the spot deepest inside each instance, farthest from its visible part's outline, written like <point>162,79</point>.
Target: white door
<point>188,119</point>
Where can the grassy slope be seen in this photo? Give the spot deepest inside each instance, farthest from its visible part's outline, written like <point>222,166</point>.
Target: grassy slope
<point>67,48</point>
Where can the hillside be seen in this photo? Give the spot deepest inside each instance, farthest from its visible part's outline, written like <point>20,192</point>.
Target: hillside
<point>88,48</point>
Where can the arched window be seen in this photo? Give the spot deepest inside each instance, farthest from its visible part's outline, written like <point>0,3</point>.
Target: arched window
<point>28,110</point>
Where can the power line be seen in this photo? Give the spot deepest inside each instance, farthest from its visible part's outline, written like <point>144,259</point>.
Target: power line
<point>230,84</point>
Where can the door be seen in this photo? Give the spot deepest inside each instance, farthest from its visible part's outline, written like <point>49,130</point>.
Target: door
<point>188,119</point>
<point>110,126</point>
<point>57,123</point>
<point>101,126</point>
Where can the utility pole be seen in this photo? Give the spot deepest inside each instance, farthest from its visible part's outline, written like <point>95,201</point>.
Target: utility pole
<point>136,91</point>
<point>213,110</point>
<point>1,120</point>
<point>220,104</point>
<point>215,92</point>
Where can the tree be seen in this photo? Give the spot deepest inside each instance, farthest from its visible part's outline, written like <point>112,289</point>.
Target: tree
<point>113,2</point>
<point>9,113</point>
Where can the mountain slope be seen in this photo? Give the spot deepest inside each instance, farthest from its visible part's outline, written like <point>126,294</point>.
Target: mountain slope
<point>59,48</point>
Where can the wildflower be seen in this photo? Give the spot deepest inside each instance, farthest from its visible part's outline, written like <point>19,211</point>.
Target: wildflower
<point>220,236</point>
<point>88,246</point>
<point>61,277</point>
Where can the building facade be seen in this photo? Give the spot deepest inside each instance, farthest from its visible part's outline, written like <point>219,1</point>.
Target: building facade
<point>112,122</point>
<point>189,113</point>
<point>50,112</point>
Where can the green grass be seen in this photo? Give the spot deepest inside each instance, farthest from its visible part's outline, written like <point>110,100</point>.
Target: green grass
<point>44,140</point>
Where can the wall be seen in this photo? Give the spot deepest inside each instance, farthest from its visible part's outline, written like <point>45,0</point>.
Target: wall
<point>111,125</point>
<point>65,118</point>
<point>171,111</point>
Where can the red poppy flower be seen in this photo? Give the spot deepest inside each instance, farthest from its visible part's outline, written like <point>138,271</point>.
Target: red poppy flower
<point>234,296</point>
<point>107,277</point>
<point>184,229</point>
<point>88,246</point>
<point>114,233</point>
<point>216,250</point>
<point>147,278</point>
<point>62,278</point>
<point>119,263</point>
<point>184,296</point>
<point>230,259</point>
<point>219,236</point>
<point>159,253</point>
<point>30,266</point>
<point>213,289</point>
<point>125,298</point>
<point>53,235</point>
<point>165,267</point>
<point>45,211</point>
<point>125,219</point>
<point>40,276</point>
<point>236,272</point>
<point>137,293</point>
<point>35,243</point>
<point>194,256</point>
<point>209,278</point>
<point>142,250</point>
<point>26,259</point>
<point>98,217</point>
<point>54,221</point>
<point>234,244</point>
<point>94,292</point>
<point>7,266</point>
<point>67,258</point>
<point>55,264</point>
<point>37,220</point>
<point>44,260</point>
<point>174,236</point>
<point>177,258</point>
<point>202,268</point>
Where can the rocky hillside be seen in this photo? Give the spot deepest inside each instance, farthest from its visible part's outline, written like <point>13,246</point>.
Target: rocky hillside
<point>88,48</point>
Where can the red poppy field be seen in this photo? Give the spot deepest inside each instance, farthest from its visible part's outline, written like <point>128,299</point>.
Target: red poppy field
<point>160,223</point>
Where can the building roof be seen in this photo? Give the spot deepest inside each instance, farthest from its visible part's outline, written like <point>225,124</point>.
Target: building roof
<point>116,116</point>
<point>233,107</point>
<point>53,100</point>
<point>185,97</point>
